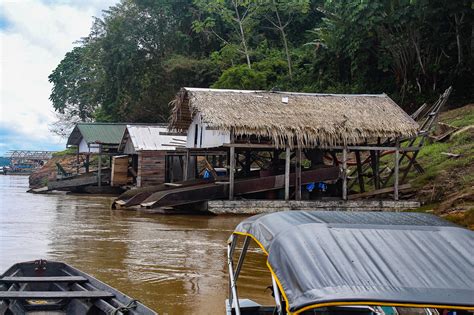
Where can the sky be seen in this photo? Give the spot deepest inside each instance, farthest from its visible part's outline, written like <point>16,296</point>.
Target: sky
<point>34,37</point>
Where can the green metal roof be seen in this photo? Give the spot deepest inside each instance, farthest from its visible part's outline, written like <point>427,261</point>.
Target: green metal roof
<point>105,133</point>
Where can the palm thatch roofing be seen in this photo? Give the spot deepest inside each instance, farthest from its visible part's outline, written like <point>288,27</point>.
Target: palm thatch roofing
<point>301,119</point>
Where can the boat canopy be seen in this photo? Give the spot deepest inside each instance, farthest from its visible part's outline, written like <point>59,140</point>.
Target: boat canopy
<point>330,258</point>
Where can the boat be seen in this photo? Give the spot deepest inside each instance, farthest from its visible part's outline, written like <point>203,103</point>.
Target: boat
<point>55,288</point>
<point>335,262</point>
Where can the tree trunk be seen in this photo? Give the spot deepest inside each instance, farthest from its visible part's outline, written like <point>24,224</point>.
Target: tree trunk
<point>281,28</point>
<point>459,21</point>
<point>242,35</point>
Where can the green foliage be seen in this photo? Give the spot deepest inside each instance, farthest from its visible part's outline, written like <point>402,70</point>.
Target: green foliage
<point>74,85</point>
<point>68,151</point>
<point>241,77</point>
<point>140,52</point>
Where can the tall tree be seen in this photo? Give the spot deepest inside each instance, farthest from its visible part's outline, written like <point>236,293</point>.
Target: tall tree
<point>237,16</point>
<point>280,14</point>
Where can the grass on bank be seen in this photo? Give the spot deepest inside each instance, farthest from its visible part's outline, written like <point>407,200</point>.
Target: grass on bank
<point>446,187</point>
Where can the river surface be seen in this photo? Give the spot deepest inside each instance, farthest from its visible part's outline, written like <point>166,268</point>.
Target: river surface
<point>175,264</point>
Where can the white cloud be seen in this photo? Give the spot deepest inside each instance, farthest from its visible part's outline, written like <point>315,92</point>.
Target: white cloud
<point>34,41</point>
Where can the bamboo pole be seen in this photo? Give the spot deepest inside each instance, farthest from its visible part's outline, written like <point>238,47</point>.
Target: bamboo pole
<point>287,173</point>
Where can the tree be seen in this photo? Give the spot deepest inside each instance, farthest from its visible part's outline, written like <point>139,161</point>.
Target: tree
<point>280,14</point>
<point>74,85</point>
<point>235,14</point>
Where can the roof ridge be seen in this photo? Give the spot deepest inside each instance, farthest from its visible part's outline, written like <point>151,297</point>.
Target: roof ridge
<point>192,89</point>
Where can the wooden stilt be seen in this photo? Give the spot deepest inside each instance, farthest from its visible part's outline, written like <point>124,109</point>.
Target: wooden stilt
<point>77,160</point>
<point>375,170</point>
<point>186,165</point>
<point>298,175</point>
<point>231,172</point>
<point>287,173</point>
<point>171,168</point>
<point>87,163</point>
<point>396,170</point>
<point>99,173</point>
<point>344,174</point>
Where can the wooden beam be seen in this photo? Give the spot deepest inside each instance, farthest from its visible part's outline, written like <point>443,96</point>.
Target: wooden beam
<point>379,192</point>
<point>349,148</point>
<point>287,173</point>
<point>344,174</point>
<point>372,148</point>
<point>249,145</point>
<point>298,175</point>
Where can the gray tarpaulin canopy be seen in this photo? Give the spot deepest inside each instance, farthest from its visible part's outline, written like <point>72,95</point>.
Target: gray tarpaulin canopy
<point>326,258</point>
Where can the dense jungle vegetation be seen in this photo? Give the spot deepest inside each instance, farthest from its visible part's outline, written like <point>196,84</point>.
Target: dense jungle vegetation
<point>140,52</point>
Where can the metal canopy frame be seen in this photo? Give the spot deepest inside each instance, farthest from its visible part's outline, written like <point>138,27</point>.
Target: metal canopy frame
<point>234,275</point>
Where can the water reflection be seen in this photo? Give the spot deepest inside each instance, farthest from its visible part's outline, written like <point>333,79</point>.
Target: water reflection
<point>174,264</point>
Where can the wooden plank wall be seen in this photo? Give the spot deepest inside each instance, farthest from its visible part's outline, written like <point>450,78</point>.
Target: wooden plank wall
<point>151,168</point>
<point>119,175</point>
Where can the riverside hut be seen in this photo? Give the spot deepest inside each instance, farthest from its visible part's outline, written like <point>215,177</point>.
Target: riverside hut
<point>92,138</point>
<point>95,138</point>
<point>344,129</point>
<point>149,147</point>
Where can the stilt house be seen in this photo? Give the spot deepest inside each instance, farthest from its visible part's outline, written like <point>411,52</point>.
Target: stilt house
<point>335,129</point>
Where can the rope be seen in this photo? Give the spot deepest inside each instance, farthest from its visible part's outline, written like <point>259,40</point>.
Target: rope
<point>125,309</point>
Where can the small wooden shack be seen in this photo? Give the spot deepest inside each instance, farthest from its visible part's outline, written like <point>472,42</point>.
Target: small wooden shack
<point>92,138</point>
<point>149,147</point>
<point>95,138</point>
<point>327,128</point>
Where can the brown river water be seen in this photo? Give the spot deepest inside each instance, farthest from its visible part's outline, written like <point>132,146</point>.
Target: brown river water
<point>175,264</point>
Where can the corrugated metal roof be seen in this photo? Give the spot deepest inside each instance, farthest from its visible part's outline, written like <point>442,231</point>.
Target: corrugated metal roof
<point>152,138</point>
<point>105,133</point>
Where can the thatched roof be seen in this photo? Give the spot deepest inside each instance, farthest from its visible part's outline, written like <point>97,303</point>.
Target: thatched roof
<point>308,120</point>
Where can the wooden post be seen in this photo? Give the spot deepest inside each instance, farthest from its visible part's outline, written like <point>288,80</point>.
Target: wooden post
<point>298,175</point>
<point>77,160</point>
<point>186,165</point>
<point>99,173</point>
<point>344,173</point>
<point>360,174</point>
<point>287,173</point>
<point>397,166</point>
<point>231,172</point>
<point>170,168</point>
<point>87,163</point>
